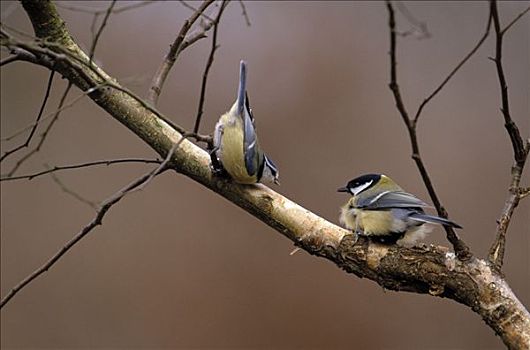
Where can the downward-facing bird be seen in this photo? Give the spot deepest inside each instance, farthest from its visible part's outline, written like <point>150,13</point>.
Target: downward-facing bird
<point>382,211</point>
<point>236,147</point>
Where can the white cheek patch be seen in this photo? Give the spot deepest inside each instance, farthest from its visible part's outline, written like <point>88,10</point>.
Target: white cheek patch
<point>360,188</point>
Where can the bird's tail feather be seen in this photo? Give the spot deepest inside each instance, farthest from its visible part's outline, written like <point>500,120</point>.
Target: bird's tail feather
<point>434,219</point>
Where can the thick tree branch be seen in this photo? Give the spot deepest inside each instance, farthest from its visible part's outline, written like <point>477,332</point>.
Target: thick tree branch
<point>421,270</point>
<point>520,150</point>
<point>461,249</point>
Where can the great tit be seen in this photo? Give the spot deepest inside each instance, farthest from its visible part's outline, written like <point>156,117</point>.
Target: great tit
<point>236,147</point>
<point>382,211</point>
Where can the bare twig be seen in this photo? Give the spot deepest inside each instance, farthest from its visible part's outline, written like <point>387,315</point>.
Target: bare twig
<point>44,134</point>
<point>185,4</point>
<point>453,72</point>
<point>77,63</point>
<point>162,72</point>
<point>461,249</point>
<point>513,131</point>
<point>101,11</point>
<point>100,30</point>
<point>244,12</point>
<point>10,59</point>
<point>104,208</point>
<point>419,25</point>
<point>164,165</point>
<point>81,165</point>
<point>520,150</point>
<point>421,270</point>
<point>32,132</point>
<point>50,115</point>
<point>72,193</point>
<point>518,17</point>
<point>207,68</point>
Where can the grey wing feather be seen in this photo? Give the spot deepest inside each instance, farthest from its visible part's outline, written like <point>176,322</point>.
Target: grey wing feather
<point>249,144</point>
<point>392,199</point>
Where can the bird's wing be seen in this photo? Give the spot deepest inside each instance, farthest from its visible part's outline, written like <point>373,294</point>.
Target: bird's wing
<point>249,145</point>
<point>249,110</point>
<point>392,199</point>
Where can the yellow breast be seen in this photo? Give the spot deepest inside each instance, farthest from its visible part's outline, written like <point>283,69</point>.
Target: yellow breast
<point>232,155</point>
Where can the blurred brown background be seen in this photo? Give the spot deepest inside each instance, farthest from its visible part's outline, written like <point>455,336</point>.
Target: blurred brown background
<point>176,265</point>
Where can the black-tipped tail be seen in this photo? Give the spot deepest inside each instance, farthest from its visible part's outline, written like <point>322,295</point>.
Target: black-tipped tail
<point>434,220</point>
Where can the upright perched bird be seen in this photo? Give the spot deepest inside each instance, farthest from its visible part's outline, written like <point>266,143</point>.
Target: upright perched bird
<point>236,147</point>
<point>381,210</point>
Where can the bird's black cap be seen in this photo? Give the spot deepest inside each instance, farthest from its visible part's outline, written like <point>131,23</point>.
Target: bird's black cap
<point>360,181</point>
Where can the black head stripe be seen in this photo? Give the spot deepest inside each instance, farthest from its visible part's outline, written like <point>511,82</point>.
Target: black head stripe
<point>364,179</point>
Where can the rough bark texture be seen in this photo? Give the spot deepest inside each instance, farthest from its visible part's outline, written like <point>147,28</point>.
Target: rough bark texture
<point>432,270</point>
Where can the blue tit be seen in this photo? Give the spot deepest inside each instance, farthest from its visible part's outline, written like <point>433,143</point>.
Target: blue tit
<point>382,211</point>
<point>236,147</point>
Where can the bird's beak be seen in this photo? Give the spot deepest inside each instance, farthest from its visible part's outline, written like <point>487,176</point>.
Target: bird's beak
<point>242,87</point>
<point>343,189</point>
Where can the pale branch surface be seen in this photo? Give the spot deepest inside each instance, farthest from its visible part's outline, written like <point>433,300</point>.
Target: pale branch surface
<point>461,249</point>
<point>431,270</point>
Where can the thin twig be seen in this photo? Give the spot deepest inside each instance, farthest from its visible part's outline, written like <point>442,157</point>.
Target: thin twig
<point>207,68</point>
<point>39,115</point>
<point>101,11</point>
<point>453,72</point>
<point>520,150</point>
<point>518,17</point>
<point>78,63</point>
<point>72,193</point>
<point>100,30</point>
<point>10,59</point>
<point>244,12</point>
<point>461,249</point>
<point>44,134</point>
<point>513,131</point>
<point>50,115</point>
<point>81,165</point>
<point>185,4</point>
<point>105,206</point>
<point>164,165</point>
<point>162,72</point>
<point>420,25</point>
